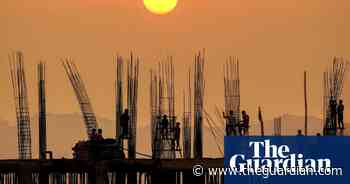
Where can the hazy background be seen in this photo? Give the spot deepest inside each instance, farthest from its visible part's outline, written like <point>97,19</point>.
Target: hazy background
<point>275,41</point>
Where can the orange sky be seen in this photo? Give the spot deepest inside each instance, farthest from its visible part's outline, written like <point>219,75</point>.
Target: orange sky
<point>274,39</point>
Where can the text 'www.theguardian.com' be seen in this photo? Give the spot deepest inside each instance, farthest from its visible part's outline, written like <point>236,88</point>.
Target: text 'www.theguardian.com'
<point>266,172</point>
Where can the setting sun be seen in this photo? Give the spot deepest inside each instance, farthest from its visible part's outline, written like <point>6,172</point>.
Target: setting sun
<point>160,7</point>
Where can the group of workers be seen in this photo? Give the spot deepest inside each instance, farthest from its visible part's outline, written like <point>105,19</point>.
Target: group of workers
<point>96,135</point>
<point>164,127</point>
<point>234,126</point>
<point>336,118</point>
<point>336,113</point>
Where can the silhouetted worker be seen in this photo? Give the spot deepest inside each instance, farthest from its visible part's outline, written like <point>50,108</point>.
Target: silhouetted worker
<point>230,123</point>
<point>245,123</point>
<point>177,135</point>
<point>340,111</point>
<point>93,135</point>
<point>299,133</point>
<point>333,109</point>
<point>164,125</point>
<point>99,135</point>
<point>124,123</point>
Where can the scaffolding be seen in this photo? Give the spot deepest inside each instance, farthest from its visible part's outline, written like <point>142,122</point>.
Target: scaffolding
<point>162,97</point>
<point>199,85</point>
<point>19,86</point>
<point>333,81</point>
<point>42,110</point>
<point>81,95</point>
<point>232,94</point>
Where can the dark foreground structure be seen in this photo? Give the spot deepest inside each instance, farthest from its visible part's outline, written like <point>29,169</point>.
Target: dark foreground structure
<point>143,171</point>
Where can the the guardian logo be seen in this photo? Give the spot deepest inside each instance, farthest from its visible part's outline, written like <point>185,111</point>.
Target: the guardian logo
<point>267,155</point>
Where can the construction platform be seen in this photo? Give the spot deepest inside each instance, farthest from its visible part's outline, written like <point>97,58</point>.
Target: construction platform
<point>137,171</point>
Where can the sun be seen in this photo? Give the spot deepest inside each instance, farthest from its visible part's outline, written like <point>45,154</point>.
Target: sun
<point>160,7</point>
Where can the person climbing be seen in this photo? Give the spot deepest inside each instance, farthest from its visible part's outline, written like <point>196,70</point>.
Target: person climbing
<point>300,133</point>
<point>230,123</point>
<point>245,123</point>
<point>333,109</point>
<point>93,135</point>
<point>124,123</point>
<point>340,112</point>
<point>164,125</point>
<point>177,135</point>
<point>99,135</point>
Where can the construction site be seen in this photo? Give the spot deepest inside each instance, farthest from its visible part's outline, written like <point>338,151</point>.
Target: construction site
<point>176,137</point>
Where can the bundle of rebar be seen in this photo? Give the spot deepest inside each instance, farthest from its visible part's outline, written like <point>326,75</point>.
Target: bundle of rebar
<point>154,107</point>
<point>166,88</point>
<point>333,81</point>
<point>119,95</point>
<point>19,86</point>
<point>162,97</point>
<point>199,85</point>
<point>81,95</point>
<point>232,91</point>
<point>277,125</point>
<point>42,110</point>
<point>132,102</point>
<point>187,120</point>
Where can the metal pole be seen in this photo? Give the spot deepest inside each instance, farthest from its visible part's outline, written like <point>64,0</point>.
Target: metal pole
<point>305,102</point>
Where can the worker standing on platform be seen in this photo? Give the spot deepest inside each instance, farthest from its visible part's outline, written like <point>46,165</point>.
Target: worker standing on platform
<point>93,134</point>
<point>340,112</point>
<point>177,135</point>
<point>333,109</point>
<point>245,123</point>
<point>230,123</point>
<point>124,123</point>
<point>99,135</point>
<point>164,125</point>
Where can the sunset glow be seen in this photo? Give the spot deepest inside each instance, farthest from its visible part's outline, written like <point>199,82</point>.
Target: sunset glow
<point>160,7</point>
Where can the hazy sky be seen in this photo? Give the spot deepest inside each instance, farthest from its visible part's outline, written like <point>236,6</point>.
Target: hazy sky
<point>275,40</point>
